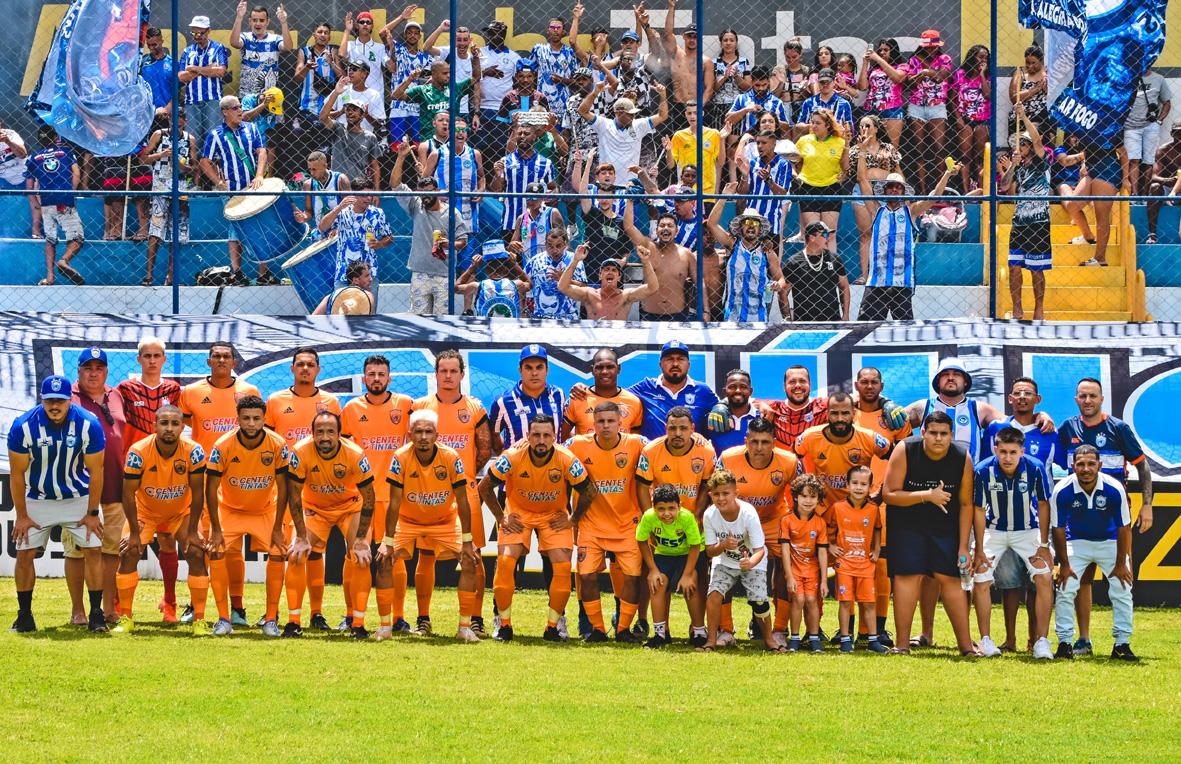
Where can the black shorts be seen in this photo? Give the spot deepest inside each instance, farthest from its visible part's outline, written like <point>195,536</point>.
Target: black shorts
<point>922,553</point>
<point>672,566</point>
<point>808,204</point>
<point>688,314</point>
<point>880,303</point>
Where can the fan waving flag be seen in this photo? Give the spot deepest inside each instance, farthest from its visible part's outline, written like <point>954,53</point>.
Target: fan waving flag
<point>90,90</point>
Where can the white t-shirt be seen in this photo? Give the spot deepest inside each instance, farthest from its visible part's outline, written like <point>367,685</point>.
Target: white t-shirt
<point>621,147</point>
<point>366,98</point>
<point>494,89</point>
<point>462,71</point>
<point>374,54</point>
<point>746,528</point>
<point>12,167</point>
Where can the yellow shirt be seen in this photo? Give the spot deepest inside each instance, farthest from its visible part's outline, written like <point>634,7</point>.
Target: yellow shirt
<point>684,152</point>
<point>821,159</point>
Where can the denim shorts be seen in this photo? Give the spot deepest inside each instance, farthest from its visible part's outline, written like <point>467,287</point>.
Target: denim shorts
<point>926,113</point>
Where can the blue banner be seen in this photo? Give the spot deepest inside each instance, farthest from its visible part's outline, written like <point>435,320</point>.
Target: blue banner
<point>1064,15</point>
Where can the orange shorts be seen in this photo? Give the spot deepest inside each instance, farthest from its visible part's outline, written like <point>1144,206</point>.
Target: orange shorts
<point>547,537</point>
<point>150,525</point>
<point>444,539</point>
<point>592,553</point>
<point>320,527</point>
<point>855,588</point>
<point>807,581</point>
<point>257,525</point>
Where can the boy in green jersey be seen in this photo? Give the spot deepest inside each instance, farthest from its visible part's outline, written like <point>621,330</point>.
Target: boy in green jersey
<point>670,542</point>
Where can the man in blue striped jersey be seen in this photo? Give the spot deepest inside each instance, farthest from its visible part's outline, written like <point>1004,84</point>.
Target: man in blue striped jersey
<point>510,413</point>
<point>55,452</point>
<point>768,174</point>
<point>1012,513</point>
<point>516,172</point>
<point>201,67</point>
<point>752,278</point>
<point>1093,525</point>
<point>260,49</point>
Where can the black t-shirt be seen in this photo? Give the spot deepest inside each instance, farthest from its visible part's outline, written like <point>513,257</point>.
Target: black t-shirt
<point>815,286</point>
<point>923,473</point>
<point>605,239</point>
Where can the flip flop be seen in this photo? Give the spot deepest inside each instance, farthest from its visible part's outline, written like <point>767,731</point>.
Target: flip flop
<point>44,282</point>
<point>1092,263</point>
<point>899,651</point>
<point>921,641</point>
<point>68,271</point>
<point>705,649</point>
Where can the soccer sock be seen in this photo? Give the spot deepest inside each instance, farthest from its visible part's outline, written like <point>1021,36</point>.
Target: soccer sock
<point>594,611</point>
<point>627,612</point>
<point>660,629</point>
<point>467,603</point>
<point>727,622</point>
<point>424,583</point>
<point>274,587</point>
<point>503,584</point>
<point>398,592</point>
<point>559,592</point>
<point>219,578</point>
<point>346,586</point>
<point>169,564</point>
<point>236,570</point>
<point>782,614</point>
<point>616,581</point>
<point>198,595</point>
<point>96,602</point>
<point>24,601</point>
<point>481,582</point>
<point>126,584</point>
<point>385,606</point>
<point>881,623</point>
<point>315,576</point>
<point>359,589</point>
<point>297,582</point>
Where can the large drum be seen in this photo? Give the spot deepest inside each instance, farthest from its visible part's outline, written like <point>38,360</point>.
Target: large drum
<point>311,272</point>
<point>265,223</point>
<point>351,301</point>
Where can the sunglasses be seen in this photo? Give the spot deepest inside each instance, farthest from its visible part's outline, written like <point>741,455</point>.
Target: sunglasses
<point>366,23</point>
<point>107,415</point>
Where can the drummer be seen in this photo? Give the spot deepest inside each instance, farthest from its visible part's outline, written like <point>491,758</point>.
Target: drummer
<point>361,229</point>
<point>234,158</point>
<point>359,279</point>
<point>320,178</point>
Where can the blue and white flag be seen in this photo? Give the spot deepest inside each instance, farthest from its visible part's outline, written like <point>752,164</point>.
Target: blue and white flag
<point>1064,15</point>
<point>90,90</point>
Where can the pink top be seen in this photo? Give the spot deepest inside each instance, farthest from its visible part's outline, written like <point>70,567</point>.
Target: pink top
<point>970,101</point>
<point>927,92</point>
<point>883,93</point>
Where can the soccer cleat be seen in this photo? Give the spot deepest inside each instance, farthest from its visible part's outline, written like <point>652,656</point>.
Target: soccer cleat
<point>382,634</point>
<point>291,631</point>
<point>640,629</point>
<point>401,626</point>
<point>696,640</point>
<point>345,624</point>
<point>98,623</point>
<point>422,627</point>
<point>202,629</point>
<point>1042,651</point>
<point>1082,647</point>
<point>168,609</point>
<point>504,634</point>
<point>319,623</point>
<point>834,640</point>
<point>584,625</point>
<point>270,629</point>
<point>551,634</point>
<point>495,622</point>
<point>465,634</point>
<point>24,623</point>
<point>846,645</point>
<point>988,648</point>
<point>726,639</point>
<point>595,637</point>
<point>478,626</point>
<point>754,631</point>
<point>261,621</point>
<point>655,642</point>
<point>886,639</point>
<point>222,628</point>
<point>125,625</point>
<point>815,645</point>
<point>628,637</point>
<point>1065,651</point>
<point>793,645</point>
<point>1123,652</point>
<point>876,646</point>
<point>358,632</point>
<point>187,616</point>
<point>563,632</point>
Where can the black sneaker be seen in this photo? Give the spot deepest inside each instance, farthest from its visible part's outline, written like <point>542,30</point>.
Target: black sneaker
<point>1123,653</point>
<point>24,623</point>
<point>655,642</point>
<point>291,631</point>
<point>816,645</point>
<point>628,637</point>
<point>885,638</point>
<point>640,629</point>
<point>267,279</point>
<point>697,640</point>
<point>422,626</point>
<point>239,279</point>
<point>359,632</point>
<point>551,634</point>
<point>98,623</point>
<point>595,636</point>
<point>824,637</point>
<point>478,626</point>
<point>1065,651</point>
<point>754,630</point>
<point>319,622</point>
<point>505,634</point>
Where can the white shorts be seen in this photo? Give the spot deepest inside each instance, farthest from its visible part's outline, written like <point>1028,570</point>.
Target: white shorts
<point>160,223</point>
<point>1141,143</point>
<point>67,220</point>
<point>428,295</point>
<point>66,513</point>
<point>1023,543</point>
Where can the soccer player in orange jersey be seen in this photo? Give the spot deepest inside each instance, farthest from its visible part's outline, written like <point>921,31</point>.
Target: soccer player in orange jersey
<point>855,548</point>
<point>246,492</point>
<point>830,450</point>
<point>764,474</point>
<point>538,477</point>
<point>685,461</point>
<point>376,421</point>
<point>337,489</point>
<point>163,483</point>
<point>210,409</point>
<point>611,458</point>
<point>579,418</point>
<point>803,540</point>
<point>464,426</point>
<point>428,509</point>
<point>290,413</point>
<point>142,398</point>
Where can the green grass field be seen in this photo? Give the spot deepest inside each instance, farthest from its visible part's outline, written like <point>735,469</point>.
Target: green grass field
<point>160,695</point>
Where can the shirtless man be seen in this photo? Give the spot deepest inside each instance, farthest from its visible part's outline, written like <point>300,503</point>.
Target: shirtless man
<point>609,302</point>
<point>673,298</point>
<point>1166,179</point>
<point>683,60</point>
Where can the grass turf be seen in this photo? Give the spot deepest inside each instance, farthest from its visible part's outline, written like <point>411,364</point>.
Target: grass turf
<point>158,695</point>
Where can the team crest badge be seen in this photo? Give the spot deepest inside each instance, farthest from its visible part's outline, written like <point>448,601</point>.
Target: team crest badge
<point>855,456</point>
<point>1100,502</point>
<point>396,416</point>
<point>464,416</point>
<point>268,458</point>
<point>962,420</point>
<point>865,522</point>
<point>808,417</point>
<point>690,398</point>
<point>555,476</point>
<point>339,471</point>
<point>812,534</point>
<point>776,477</point>
<point>697,465</point>
<point>178,467</point>
<point>621,459</point>
<point>71,441</point>
<point>1033,448</point>
<point>440,472</point>
<point>1100,440</point>
<point>1023,486</point>
<point>56,385</point>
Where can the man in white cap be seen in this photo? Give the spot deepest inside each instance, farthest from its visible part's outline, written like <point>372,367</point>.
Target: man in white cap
<point>751,276</point>
<point>202,65</point>
<point>620,138</point>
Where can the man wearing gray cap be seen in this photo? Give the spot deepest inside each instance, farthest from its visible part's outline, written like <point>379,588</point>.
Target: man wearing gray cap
<point>201,67</point>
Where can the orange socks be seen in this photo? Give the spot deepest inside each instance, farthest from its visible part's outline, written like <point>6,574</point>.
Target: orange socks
<point>316,582</point>
<point>727,622</point>
<point>398,603</point>
<point>782,614</point>
<point>126,583</point>
<point>481,582</point>
<point>359,586</point>
<point>198,594</point>
<point>274,586</point>
<point>594,611</point>
<point>346,584</point>
<point>559,592</point>
<point>467,603</point>
<point>503,585</point>
<point>385,606</point>
<point>236,570</point>
<point>627,613</point>
<point>424,583</point>
<point>297,581</point>
<point>221,588</point>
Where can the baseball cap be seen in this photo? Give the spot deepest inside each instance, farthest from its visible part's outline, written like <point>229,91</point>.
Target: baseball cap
<point>495,25</point>
<point>55,387</point>
<point>691,29</point>
<point>276,105</point>
<point>199,22</point>
<point>817,227</point>
<point>626,105</point>
<point>583,71</point>
<point>630,35</point>
<point>364,16</point>
<point>493,250</point>
<point>92,354</point>
<point>359,64</point>
<point>826,74</point>
<point>536,187</point>
<point>413,24</point>
<point>674,346</point>
<point>612,262</point>
<point>533,351</point>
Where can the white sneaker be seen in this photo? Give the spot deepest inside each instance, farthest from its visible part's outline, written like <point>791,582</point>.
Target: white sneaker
<point>222,628</point>
<point>726,639</point>
<point>988,648</point>
<point>465,634</point>
<point>563,632</point>
<point>495,623</point>
<point>270,629</point>
<point>1042,651</point>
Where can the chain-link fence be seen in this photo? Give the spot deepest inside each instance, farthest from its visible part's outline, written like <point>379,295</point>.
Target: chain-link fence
<point>835,161</point>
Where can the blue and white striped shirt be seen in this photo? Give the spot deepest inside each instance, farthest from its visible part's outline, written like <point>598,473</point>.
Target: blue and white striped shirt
<point>772,209</point>
<point>770,102</point>
<point>511,411</point>
<point>260,63</point>
<point>467,179</point>
<point>550,62</point>
<point>355,234</point>
<point>840,107</point>
<point>498,297</point>
<point>322,204</point>
<point>1010,503</point>
<point>321,66</point>
<point>1040,445</point>
<point>1096,516</point>
<point>746,282</point>
<point>204,88</point>
<point>57,455</point>
<point>406,62</point>
<point>519,173</point>
<point>220,149</point>
<point>892,242</point>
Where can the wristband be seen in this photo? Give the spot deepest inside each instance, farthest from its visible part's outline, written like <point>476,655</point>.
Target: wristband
<point>92,513</point>
<point>466,537</point>
<point>388,540</point>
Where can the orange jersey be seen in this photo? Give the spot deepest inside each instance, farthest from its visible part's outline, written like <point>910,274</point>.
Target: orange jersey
<point>249,475</point>
<point>428,491</point>
<point>331,486</point>
<point>581,414</point>
<point>291,415</point>
<point>212,411</point>
<point>538,490</point>
<point>875,421</point>
<point>380,430</point>
<point>457,425</point>
<point>164,489</point>
<point>854,535</point>
<point>686,473</point>
<point>616,512</point>
<point>831,461</point>
<point>767,490</point>
<point>804,536</point>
